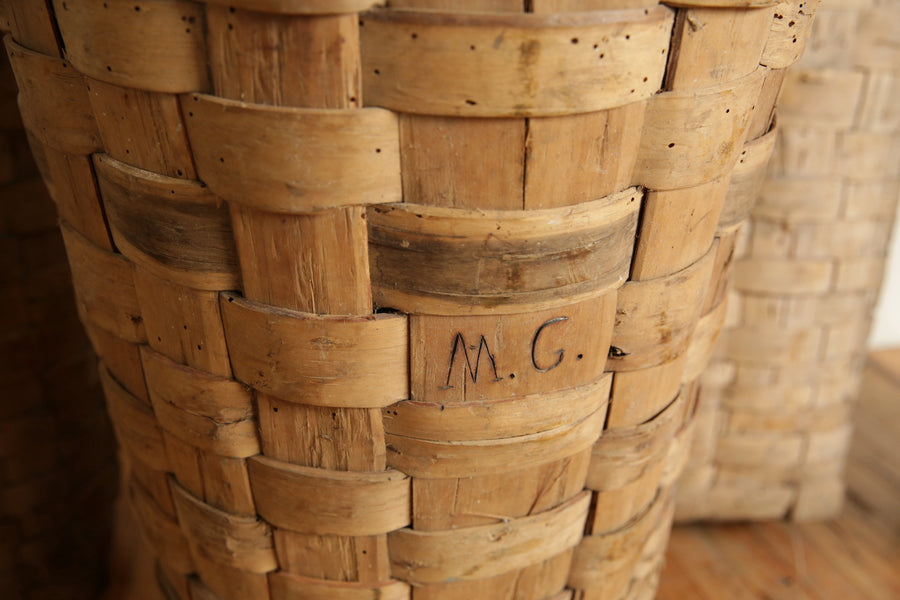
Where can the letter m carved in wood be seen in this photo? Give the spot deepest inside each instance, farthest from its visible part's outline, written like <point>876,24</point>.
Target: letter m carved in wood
<point>460,352</point>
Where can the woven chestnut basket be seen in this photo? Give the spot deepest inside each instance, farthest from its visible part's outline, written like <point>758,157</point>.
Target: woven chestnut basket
<point>395,302</point>
<point>774,420</point>
<point>57,466</point>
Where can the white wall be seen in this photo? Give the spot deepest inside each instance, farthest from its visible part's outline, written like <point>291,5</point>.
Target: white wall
<point>886,329</point>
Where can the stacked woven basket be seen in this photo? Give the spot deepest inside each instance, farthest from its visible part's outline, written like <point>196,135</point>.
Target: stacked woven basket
<point>57,465</point>
<point>398,303</point>
<point>774,421</point>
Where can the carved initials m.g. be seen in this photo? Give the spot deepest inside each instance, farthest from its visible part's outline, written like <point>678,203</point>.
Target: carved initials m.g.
<point>459,342</point>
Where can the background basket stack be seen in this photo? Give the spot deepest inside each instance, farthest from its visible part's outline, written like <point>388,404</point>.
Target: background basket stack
<point>397,303</point>
<point>774,419</point>
<point>57,465</point>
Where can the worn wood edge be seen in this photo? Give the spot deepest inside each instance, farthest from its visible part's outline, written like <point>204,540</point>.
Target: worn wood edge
<point>594,233</point>
<point>326,502</point>
<point>721,3</point>
<point>438,83</point>
<point>479,552</point>
<point>323,360</point>
<point>109,42</point>
<point>703,341</point>
<point>597,557</point>
<point>301,7</point>
<point>311,158</point>
<point>623,455</point>
<point>430,459</point>
<point>207,411</point>
<point>161,531</point>
<point>286,585</point>
<point>125,190</point>
<point>72,130</point>
<point>517,416</point>
<point>134,422</point>
<point>747,179</point>
<point>241,542</point>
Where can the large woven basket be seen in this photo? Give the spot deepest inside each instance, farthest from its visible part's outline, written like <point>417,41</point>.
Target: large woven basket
<point>397,303</point>
<point>774,420</point>
<point>57,466</point>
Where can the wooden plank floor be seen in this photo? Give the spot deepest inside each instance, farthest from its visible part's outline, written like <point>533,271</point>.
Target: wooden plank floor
<point>854,557</point>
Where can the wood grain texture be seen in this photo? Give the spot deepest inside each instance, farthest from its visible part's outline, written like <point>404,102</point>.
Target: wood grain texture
<point>461,553</point>
<point>284,586</point>
<point>747,180</point>
<point>310,159</point>
<point>302,7</point>
<point>512,65</point>
<point>135,424</point>
<point>107,41</point>
<point>516,254</point>
<point>30,25</point>
<point>320,360</point>
<point>172,227</point>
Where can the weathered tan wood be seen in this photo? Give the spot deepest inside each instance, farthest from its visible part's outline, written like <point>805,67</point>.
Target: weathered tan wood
<point>693,137</point>
<point>777,276</point>
<point>285,586</point>
<point>859,274</point>
<point>677,229</point>
<point>70,181</point>
<point>210,412</point>
<point>240,542</point>
<point>747,180</point>
<point>668,307</point>
<point>433,557</point>
<point>160,530</point>
<point>463,163</point>
<point>703,342</point>
<point>637,396</point>
<point>122,358</point>
<point>456,65</point>
<point>182,323</point>
<point>579,158</point>
<point>271,59</point>
<point>511,260</point>
<point>326,361</point>
<point>104,288</point>
<point>302,7</point>
<point>174,228</point>
<point>337,558</point>
<point>433,459</point>
<point>31,25</point>
<point>558,6</point>
<point>466,6</point>
<point>789,33</point>
<point>474,420</point>
<point>315,262</point>
<point>135,424</point>
<point>108,41</point>
<point>326,502</point>
<point>716,45</point>
<point>144,129</point>
<point>836,94</point>
<point>763,117</point>
<point>153,482</point>
<point>310,159</point>
<point>458,360</point>
<point>864,155</point>
<point>54,101</point>
<point>722,3</point>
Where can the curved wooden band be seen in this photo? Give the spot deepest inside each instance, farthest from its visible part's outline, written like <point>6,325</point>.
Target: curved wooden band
<point>693,137</point>
<point>491,420</point>
<point>721,3</point>
<point>747,180</point>
<point>223,538</point>
<point>601,558</point>
<point>161,530</point>
<point>136,426</point>
<point>421,557</point>
<point>442,459</point>
<point>327,502</point>
<point>655,317</point>
<point>423,258</point>
<point>512,65</point>
<point>111,41</point>
<point>354,362</point>
<point>301,7</point>
<point>308,159</point>
<point>53,100</point>
<point>790,32</point>
<point>209,412</point>
<point>104,287</point>
<point>287,585</point>
<point>703,341</point>
<point>622,455</point>
<point>175,228</point>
